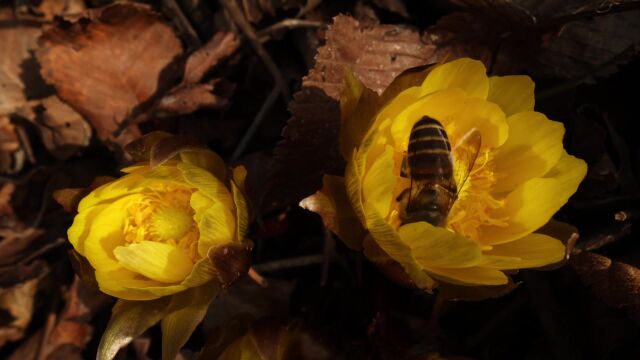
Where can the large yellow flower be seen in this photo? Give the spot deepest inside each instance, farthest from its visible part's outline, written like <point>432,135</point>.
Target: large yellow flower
<point>154,232</point>
<point>521,177</point>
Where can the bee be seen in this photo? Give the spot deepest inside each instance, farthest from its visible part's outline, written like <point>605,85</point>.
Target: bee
<point>429,164</point>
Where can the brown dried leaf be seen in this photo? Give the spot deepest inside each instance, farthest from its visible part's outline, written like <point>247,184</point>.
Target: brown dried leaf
<point>16,244</point>
<point>73,331</point>
<point>48,9</point>
<point>376,54</point>
<point>16,41</point>
<point>189,98</point>
<point>63,130</point>
<point>108,67</point>
<point>231,261</point>
<point>614,282</point>
<point>17,302</point>
<point>221,46</point>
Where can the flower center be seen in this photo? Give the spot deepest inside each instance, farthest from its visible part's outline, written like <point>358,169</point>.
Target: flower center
<point>475,202</point>
<point>163,215</point>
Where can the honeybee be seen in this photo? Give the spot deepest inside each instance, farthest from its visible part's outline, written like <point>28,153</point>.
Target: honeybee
<point>429,165</point>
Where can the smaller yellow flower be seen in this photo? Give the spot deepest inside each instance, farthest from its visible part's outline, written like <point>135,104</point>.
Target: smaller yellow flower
<point>154,231</point>
<point>522,175</point>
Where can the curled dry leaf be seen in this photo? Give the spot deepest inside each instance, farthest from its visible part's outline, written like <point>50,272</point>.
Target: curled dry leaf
<point>221,46</point>
<point>108,66</point>
<point>614,282</point>
<point>376,54</point>
<point>189,98</point>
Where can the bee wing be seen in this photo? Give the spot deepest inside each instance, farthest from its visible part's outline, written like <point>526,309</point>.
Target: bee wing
<point>465,153</point>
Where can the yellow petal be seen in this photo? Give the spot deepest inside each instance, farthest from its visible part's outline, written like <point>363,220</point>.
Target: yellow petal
<point>206,182</point>
<point>200,203</point>
<point>438,247</point>
<point>358,107</point>
<point>157,261</point>
<point>137,182</point>
<point>207,160</point>
<point>466,74</point>
<point>202,273</point>
<point>532,204</point>
<point>240,201</point>
<point>399,103</point>
<point>97,231</point>
<point>217,227</point>
<point>353,181</point>
<point>533,147</point>
<point>389,241</point>
<point>458,113</point>
<point>474,275</point>
<point>125,284</point>
<point>484,116</point>
<point>533,250</point>
<point>512,93</point>
<point>379,182</point>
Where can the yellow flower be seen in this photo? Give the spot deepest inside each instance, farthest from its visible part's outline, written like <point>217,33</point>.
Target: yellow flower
<point>154,232</point>
<point>521,177</point>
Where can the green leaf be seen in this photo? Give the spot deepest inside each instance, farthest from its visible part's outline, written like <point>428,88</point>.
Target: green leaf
<point>186,311</point>
<point>129,319</point>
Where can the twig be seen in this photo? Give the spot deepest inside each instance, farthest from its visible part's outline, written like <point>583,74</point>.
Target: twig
<point>193,38</point>
<point>290,263</point>
<point>288,24</point>
<point>259,279</point>
<point>257,121</point>
<point>238,17</point>
<point>599,240</point>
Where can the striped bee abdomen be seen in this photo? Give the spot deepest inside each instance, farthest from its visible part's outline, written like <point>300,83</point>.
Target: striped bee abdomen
<point>429,152</point>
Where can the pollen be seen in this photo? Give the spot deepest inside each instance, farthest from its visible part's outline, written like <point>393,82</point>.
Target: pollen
<point>163,215</point>
<point>476,202</point>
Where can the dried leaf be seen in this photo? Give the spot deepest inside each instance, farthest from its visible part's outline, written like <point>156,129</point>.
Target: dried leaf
<point>17,302</point>
<point>376,54</point>
<point>132,48</point>
<point>614,282</point>
<point>231,261</point>
<point>221,46</point>
<point>72,332</point>
<point>189,98</point>
<point>63,130</point>
<point>16,41</point>
<point>48,9</point>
